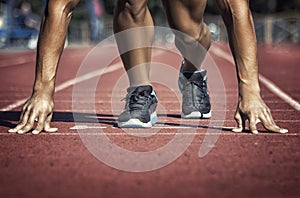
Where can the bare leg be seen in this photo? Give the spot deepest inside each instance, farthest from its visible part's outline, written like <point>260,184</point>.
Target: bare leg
<point>187,17</point>
<point>134,14</point>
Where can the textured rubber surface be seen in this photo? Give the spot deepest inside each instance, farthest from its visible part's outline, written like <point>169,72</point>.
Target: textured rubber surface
<point>239,164</point>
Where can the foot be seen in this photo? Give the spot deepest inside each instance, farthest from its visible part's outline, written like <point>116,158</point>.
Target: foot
<point>195,97</point>
<point>140,108</point>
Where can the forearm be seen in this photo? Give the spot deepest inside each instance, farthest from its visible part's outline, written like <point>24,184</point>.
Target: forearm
<point>50,46</point>
<point>243,44</point>
<point>244,49</point>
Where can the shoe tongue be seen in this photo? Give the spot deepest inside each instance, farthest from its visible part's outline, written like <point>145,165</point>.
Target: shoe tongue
<point>195,76</point>
<point>139,89</point>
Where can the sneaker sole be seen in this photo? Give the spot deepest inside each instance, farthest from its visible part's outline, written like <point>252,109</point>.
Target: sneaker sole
<point>196,115</point>
<point>136,123</point>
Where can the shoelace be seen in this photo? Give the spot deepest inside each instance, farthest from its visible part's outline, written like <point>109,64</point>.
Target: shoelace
<point>136,100</point>
<point>202,87</point>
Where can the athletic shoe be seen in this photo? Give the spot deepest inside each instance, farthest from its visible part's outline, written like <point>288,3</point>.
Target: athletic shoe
<point>140,108</point>
<point>195,97</point>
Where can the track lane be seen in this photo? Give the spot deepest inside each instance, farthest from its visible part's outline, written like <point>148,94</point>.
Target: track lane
<point>240,165</point>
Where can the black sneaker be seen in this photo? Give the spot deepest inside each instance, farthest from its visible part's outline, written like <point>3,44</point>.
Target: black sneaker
<point>140,108</point>
<point>195,97</point>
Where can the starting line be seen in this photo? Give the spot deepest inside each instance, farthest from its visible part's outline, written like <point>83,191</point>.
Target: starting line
<point>140,134</point>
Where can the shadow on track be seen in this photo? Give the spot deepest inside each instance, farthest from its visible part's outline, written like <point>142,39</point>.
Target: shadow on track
<point>9,119</point>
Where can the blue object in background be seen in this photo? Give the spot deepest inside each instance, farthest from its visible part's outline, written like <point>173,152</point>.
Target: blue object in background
<point>95,11</point>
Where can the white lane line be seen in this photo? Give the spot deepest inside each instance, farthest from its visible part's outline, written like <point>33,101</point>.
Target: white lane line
<point>84,127</point>
<point>71,82</point>
<point>169,111</point>
<point>79,79</point>
<point>81,127</point>
<point>89,76</point>
<point>182,126</point>
<point>158,134</point>
<point>265,81</point>
<point>271,86</point>
<point>164,102</point>
<point>14,105</point>
<point>20,60</point>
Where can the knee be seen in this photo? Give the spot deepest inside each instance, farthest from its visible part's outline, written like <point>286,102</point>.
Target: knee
<point>187,16</point>
<point>61,7</point>
<point>196,32</point>
<point>201,34</point>
<point>133,9</point>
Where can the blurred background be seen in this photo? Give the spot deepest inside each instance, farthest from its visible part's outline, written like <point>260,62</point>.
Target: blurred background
<point>276,21</point>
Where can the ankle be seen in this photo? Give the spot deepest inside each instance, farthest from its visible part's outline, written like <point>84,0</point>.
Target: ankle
<point>137,84</point>
<point>188,67</point>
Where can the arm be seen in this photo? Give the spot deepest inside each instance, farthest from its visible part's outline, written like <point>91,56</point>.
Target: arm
<point>243,44</point>
<point>39,106</point>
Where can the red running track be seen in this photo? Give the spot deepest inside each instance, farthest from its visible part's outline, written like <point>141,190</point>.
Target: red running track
<point>60,165</point>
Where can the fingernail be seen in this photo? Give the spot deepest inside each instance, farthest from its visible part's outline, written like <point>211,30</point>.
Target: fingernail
<point>283,131</point>
<point>255,132</point>
<point>35,132</point>
<point>11,131</point>
<point>20,132</point>
<point>237,130</point>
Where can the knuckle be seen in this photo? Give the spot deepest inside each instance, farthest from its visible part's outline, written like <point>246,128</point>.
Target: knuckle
<point>266,110</point>
<point>40,124</point>
<point>22,122</point>
<point>39,128</point>
<point>267,125</point>
<point>237,117</point>
<point>27,128</point>
<point>24,108</point>
<point>252,124</point>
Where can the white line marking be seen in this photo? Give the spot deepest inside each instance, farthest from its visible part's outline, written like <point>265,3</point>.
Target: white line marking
<point>265,81</point>
<point>88,76</point>
<point>71,82</point>
<point>159,134</point>
<point>14,105</point>
<point>173,111</point>
<point>271,86</point>
<point>81,127</point>
<point>20,60</point>
<point>205,121</point>
<point>84,127</point>
<point>79,79</point>
<point>164,102</point>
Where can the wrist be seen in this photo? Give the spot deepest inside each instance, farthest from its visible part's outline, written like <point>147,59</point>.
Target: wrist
<point>249,88</point>
<point>44,88</point>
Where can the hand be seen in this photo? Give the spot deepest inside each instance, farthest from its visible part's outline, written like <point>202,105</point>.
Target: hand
<point>255,110</point>
<point>37,108</point>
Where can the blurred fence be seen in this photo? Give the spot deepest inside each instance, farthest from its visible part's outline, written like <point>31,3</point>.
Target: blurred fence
<point>284,27</point>
<point>272,28</point>
<point>79,31</point>
<point>276,28</point>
